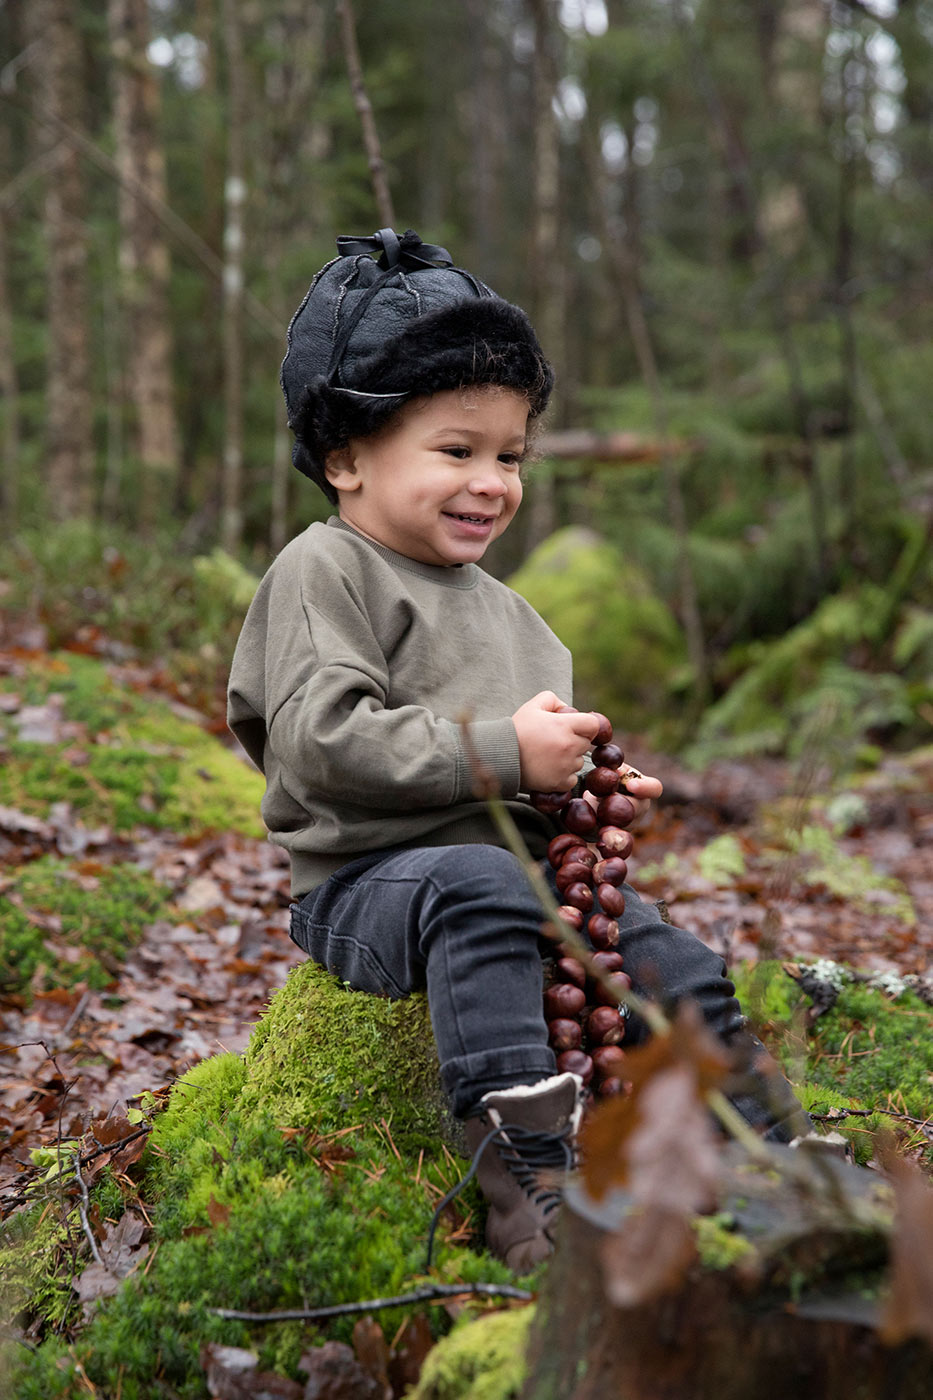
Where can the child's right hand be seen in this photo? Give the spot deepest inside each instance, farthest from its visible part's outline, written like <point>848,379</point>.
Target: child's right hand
<point>552,744</point>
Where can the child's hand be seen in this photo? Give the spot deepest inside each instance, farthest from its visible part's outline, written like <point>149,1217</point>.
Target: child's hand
<point>639,787</point>
<point>551,744</point>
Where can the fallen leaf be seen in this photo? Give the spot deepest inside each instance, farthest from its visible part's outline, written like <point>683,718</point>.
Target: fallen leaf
<point>335,1374</point>
<point>908,1308</point>
<point>217,1212</point>
<point>647,1257</point>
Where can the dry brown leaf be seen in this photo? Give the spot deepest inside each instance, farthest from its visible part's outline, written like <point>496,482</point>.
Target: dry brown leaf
<point>411,1347</point>
<point>217,1212</point>
<point>335,1374</point>
<point>372,1351</point>
<point>647,1257</point>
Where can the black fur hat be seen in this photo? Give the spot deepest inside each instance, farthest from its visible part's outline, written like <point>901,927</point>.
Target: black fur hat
<point>371,334</point>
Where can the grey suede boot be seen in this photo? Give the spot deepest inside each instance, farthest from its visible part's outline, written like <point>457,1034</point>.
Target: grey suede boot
<point>517,1135</point>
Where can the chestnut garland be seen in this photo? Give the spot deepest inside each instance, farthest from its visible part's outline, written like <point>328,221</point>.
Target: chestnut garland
<point>585,1026</point>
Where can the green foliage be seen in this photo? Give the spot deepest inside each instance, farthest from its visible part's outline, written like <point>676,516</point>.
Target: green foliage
<point>626,645</point>
<point>805,693</point>
<point>100,915</point>
<point>132,761</point>
<point>722,859</point>
<point>824,864</point>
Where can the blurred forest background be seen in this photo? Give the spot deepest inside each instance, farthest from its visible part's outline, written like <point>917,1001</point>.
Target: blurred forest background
<point>718,214</point>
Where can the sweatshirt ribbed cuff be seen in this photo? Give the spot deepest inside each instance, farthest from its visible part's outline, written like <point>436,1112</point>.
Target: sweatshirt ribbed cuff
<point>494,745</point>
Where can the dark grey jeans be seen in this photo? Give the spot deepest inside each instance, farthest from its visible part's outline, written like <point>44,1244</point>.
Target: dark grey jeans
<point>463,922</point>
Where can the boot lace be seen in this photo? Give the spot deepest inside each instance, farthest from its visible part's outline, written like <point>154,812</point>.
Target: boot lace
<point>528,1153</point>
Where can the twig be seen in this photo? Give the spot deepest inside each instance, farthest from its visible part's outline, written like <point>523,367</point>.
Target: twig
<point>430,1294</point>
<point>83,1206</point>
<point>364,110</point>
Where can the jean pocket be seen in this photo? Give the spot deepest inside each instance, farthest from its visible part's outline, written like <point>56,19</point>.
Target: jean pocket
<point>343,956</point>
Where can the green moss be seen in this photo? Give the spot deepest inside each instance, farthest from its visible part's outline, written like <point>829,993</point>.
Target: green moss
<point>101,913</point>
<point>480,1360</point>
<point>718,1244</point>
<point>305,1173</point>
<point>128,761</point>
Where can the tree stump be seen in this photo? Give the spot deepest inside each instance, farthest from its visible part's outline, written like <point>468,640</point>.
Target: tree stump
<point>782,1303</point>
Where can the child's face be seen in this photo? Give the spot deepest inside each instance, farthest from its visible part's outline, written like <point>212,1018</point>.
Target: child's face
<point>442,480</point>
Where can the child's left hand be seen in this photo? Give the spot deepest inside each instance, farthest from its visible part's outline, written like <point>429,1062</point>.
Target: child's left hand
<point>642,789</point>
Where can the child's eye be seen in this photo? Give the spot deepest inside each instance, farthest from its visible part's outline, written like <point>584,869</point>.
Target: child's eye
<point>511,459</point>
<point>461,453</point>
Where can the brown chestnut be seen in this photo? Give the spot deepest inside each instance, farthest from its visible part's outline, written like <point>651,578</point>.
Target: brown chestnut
<point>611,900</point>
<point>616,810</point>
<point>579,817</point>
<point>601,781</point>
<point>608,1060</point>
<point>613,841</point>
<point>565,1034</point>
<point>608,756</point>
<point>572,970</point>
<point>558,845</point>
<point>604,1026</point>
<point>608,961</point>
<point>609,1088</point>
<point>604,732</point>
<point>570,873</point>
<point>621,982</point>
<point>571,916</point>
<point>579,896</point>
<point>611,870</point>
<point>550,803</point>
<point>564,1000</point>
<point>581,853</point>
<point>575,1062</point>
<point>603,932</point>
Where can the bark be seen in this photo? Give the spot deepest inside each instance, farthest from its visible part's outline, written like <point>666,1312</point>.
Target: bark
<point>69,454</point>
<point>144,257</point>
<point>9,379</point>
<point>364,109</point>
<point>234,201</point>
<point>791,1320</point>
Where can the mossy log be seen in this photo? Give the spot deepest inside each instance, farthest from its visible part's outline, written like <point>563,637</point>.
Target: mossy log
<point>781,1301</point>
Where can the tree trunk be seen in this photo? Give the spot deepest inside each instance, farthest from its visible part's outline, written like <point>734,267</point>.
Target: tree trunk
<point>144,257</point>
<point>788,1320</point>
<point>235,198</point>
<point>9,380</point>
<point>69,455</point>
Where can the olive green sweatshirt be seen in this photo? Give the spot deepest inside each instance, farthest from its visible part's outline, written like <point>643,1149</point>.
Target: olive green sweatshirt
<point>352,675</point>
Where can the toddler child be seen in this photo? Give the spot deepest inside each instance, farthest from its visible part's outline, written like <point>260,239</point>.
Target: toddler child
<point>410,387</point>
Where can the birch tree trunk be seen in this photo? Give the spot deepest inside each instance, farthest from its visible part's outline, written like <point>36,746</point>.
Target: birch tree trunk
<point>231,528</point>
<point>69,445</point>
<point>144,258</point>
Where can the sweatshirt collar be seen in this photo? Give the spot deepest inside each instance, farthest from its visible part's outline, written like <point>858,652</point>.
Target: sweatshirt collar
<point>450,575</point>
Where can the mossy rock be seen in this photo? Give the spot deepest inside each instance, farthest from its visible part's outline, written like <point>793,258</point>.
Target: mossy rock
<point>483,1359</point>
<point>99,914</point>
<point>302,1174</point>
<point>126,761</point>
<point>626,643</point>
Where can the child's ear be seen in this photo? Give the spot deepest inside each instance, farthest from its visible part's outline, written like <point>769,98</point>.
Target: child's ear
<point>340,470</point>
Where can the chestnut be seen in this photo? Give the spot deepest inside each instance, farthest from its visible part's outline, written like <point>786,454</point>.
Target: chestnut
<point>581,853</point>
<point>604,732</point>
<point>608,756</point>
<point>565,1034</point>
<point>575,1062</point>
<point>579,817</point>
<point>611,900</point>
<point>613,841</point>
<point>609,1088</point>
<point>604,1026</point>
<point>570,873</point>
<point>615,810</point>
<point>621,982</point>
<point>608,1060</point>
<point>579,896</point>
<point>558,845</point>
<point>572,970</point>
<point>611,870</point>
<point>609,961</point>
<point>603,932</point>
<point>571,916</point>
<point>601,781</point>
<point>565,1001</point>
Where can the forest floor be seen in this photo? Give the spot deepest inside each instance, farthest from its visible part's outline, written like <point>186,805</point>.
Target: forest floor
<point>195,983</point>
